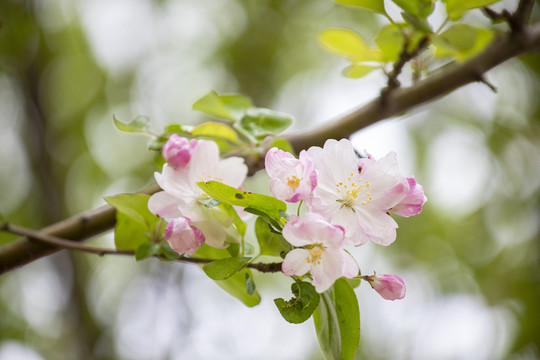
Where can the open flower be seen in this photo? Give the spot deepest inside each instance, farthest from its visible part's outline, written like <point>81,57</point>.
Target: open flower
<point>390,287</point>
<point>177,151</point>
<point>357,194</point>
<point>181,195</point>
<point>183,237</point>
<point>320,251</point>
<point>292,179</point>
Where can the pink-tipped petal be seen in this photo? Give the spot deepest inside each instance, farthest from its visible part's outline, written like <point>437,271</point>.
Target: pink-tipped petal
<point>390,287</point>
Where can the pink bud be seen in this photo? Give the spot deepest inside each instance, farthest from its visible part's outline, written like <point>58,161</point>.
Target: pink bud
<point>390,287</point>
<point>177,151</point>
<point>183,237</point>
<point>412,202</point>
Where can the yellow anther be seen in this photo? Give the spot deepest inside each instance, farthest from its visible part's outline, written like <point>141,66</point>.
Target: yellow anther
<point>293,181</point>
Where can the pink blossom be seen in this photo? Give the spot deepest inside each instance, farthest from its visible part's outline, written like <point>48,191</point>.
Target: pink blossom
<point>412,202</point>
<point>292,179</point>
<point>320,251</point>
<point>390,287</point>
<point>357,194</point>
<point>181,195</point>
<point>177,151</point>
<point>183,237</point>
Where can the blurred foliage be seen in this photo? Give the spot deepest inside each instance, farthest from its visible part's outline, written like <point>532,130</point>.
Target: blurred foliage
<point>60,154</point>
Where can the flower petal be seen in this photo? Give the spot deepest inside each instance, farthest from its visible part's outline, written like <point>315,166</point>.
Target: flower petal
<point>295,262</point>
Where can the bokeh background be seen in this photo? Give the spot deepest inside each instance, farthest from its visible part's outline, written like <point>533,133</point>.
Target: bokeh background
<point>470,260</point>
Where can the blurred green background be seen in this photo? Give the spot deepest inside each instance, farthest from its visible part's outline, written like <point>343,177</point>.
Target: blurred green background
<point>470,260</point>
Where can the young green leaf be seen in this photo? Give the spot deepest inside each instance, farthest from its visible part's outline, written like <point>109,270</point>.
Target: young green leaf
<point>250,284</point>
<point>136,125</point>
<point>356,71</point>
<point>270,243</point>
<point>462,41</point>
<point>229,107</point>
<point>390,41</point>
<point>348,314</point>
<point>222,134</point>
<point>225,268</point>
<point>419,8</point>
<point>348,44</point>
<point>304,302</point>
<point>456,8</point>
<point>135,206</point>
<point>146,250</point>
<point>229,195</point>
<point>258,123</point>
<point>128,233</point>
<point>375,5</point>
<point>283,144</point>
<point>327,327</point>
<point>167,253</point>
<point>236,286</point>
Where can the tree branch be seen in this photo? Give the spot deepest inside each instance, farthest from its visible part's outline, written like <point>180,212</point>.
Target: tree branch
<point>503,48</point>
<point>72,245</point>
<point>447,79</point>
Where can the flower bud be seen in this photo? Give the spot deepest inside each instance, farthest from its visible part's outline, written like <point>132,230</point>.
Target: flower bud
<point>177,151</point>
<point>412,202</point>
<point>183,237</point>
<point>390,287</point>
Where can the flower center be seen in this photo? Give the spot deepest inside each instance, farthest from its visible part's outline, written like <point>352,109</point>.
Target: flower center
<point>315,255</point>
<point>353,191</point>
<point>293,181</point>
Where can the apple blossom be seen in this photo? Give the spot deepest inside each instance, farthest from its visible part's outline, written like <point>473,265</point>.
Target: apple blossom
<point>177,151</point>
<point>357,194</point>
<point>412,202</point>
<point>390,287</point>
<point>320,251</point>
<point>292,179</point>
<point>181,196</point>
<point>183,237</point>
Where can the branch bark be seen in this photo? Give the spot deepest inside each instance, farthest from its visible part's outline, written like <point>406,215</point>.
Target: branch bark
<point>399,100</point>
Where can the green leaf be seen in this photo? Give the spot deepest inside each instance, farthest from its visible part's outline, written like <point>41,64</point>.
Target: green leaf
<point>348,44</point>
<point>167,253</point>
<point>258,123</point>
<point>419,8</point>
<point>417,23</point>
<point>146,250</point>
<point>375,5</point>
<point>236,286</point>
<point>225,268</point>
<point>462,41</point>
<point>229,195</point>
<point>136,125</point>
<point>229,107</point>
<point>238,222</point>
<point>270,243</point>
<point>250,284</point>
<point>456,8</point>
<point>283,144</point>
<point>390,41</point>
<point>222,134</point>
<point>327,327</point>
<point>304,302</point>
<point>356,71</point>
<point>348,314</point>
<point>208,252</point>
<point>135,206</point>
<point>128,233</point>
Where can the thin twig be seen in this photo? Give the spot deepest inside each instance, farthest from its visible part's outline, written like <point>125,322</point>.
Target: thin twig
<point>72,245</point>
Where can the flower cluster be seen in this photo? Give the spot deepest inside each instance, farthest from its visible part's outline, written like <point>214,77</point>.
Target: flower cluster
<point>183,201</point>
<point>349,202</point>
